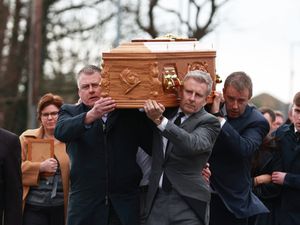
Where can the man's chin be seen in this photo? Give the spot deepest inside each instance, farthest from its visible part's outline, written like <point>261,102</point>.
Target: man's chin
<point>190,110</point>
<point>233,115</point>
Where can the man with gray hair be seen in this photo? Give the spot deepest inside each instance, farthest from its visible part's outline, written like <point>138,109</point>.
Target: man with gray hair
<point>102,143</point>
<point>183,140</point>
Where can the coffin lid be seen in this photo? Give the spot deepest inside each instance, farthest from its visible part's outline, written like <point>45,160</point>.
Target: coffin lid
<point>160,46</point>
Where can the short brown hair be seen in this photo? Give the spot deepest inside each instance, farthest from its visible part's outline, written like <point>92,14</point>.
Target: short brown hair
<point>46,100</point>
<point>240,81</point>
<point>296,100</point>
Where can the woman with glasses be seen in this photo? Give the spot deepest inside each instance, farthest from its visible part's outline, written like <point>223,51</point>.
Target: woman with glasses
<point>45,179</point>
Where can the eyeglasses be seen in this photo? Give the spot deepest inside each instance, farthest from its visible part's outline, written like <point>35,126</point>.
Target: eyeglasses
<point>52,114</point>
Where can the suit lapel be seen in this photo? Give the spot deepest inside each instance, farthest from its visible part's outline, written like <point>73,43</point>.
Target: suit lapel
<point>186,126</point>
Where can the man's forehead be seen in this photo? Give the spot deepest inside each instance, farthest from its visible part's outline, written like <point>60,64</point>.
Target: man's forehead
<point>296,107</point>
<point>233,92</point>
<point>91,78</point>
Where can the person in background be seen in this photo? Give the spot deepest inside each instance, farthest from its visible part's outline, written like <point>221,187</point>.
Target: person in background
<point>183,140</point>
<point>290,116</point>
<point>288,140</point>
<point>45,183</point>
<point>270,116</point>
<point>102,143</point>
<point>243,130</point>
<point>279,120</point>
<point>266,160</point>
<point>10,179</point>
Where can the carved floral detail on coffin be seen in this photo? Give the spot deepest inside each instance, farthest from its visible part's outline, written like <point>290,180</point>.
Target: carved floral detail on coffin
<point>170,79</point>
<point>155,83</point>
<point>129,80</point>
<point>203,66</point>
<point>104,83</point>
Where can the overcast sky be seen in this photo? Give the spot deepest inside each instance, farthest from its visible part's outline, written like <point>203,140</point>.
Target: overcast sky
<point>262,38</point>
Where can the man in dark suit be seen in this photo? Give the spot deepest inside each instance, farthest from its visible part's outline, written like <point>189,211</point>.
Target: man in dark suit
<point>178,193</point>
<point>243,130</point>
<point>102,144</point>
<point>10,179</point>
<point>288,140</point>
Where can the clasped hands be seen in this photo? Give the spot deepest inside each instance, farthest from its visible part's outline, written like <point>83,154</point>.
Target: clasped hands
<point>49,166</point>
<point>276,177</point>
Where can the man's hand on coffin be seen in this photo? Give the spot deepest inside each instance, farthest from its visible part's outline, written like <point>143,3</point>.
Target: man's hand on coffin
<point>154,111</point>
<point>218,100</point>
<point>101,107</point>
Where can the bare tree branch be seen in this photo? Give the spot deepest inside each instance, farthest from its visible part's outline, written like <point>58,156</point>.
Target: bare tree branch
<point>150,29</point>
<point>84,4</point>
<point>71,31</point>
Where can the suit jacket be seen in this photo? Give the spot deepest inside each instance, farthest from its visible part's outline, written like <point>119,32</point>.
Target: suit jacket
<point>103,163</point>
<point>188,151</point>
<point>30,170</point>
<point>230,162</point>
<point>10,179</point>
<point>289,146</point>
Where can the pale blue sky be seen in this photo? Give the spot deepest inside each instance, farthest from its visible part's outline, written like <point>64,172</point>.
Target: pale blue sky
<point>262,38</point>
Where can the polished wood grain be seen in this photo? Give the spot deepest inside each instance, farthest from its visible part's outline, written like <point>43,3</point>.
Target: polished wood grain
<point>140,70</point>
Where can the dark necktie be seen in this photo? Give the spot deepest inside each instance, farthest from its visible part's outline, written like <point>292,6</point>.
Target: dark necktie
<point>166,184</point>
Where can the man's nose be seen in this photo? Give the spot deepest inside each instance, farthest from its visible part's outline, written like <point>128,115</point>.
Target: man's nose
<point>91,89</point>
<point>235,104</point>
<point>192,97</point>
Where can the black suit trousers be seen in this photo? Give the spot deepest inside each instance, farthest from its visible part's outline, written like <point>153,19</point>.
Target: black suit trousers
<point>219,214</point>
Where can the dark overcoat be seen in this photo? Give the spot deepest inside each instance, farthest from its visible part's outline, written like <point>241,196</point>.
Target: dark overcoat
<point>10,179</point>
<point>289,145</point>
<point>103,163</point>
<point>268,159</point>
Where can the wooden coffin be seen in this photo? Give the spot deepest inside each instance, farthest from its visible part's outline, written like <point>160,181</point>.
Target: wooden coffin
<point>152,69</point>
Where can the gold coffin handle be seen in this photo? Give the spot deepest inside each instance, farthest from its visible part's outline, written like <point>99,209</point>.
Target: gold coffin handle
<point>170,82</point>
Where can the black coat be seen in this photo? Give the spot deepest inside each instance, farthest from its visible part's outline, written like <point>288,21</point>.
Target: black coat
<point>267,160</point>
<point>103,163</point>
<point>290,196</point>
<point>10,179</point>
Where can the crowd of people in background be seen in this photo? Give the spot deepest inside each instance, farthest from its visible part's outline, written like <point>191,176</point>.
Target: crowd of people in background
<point>227,162</point>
